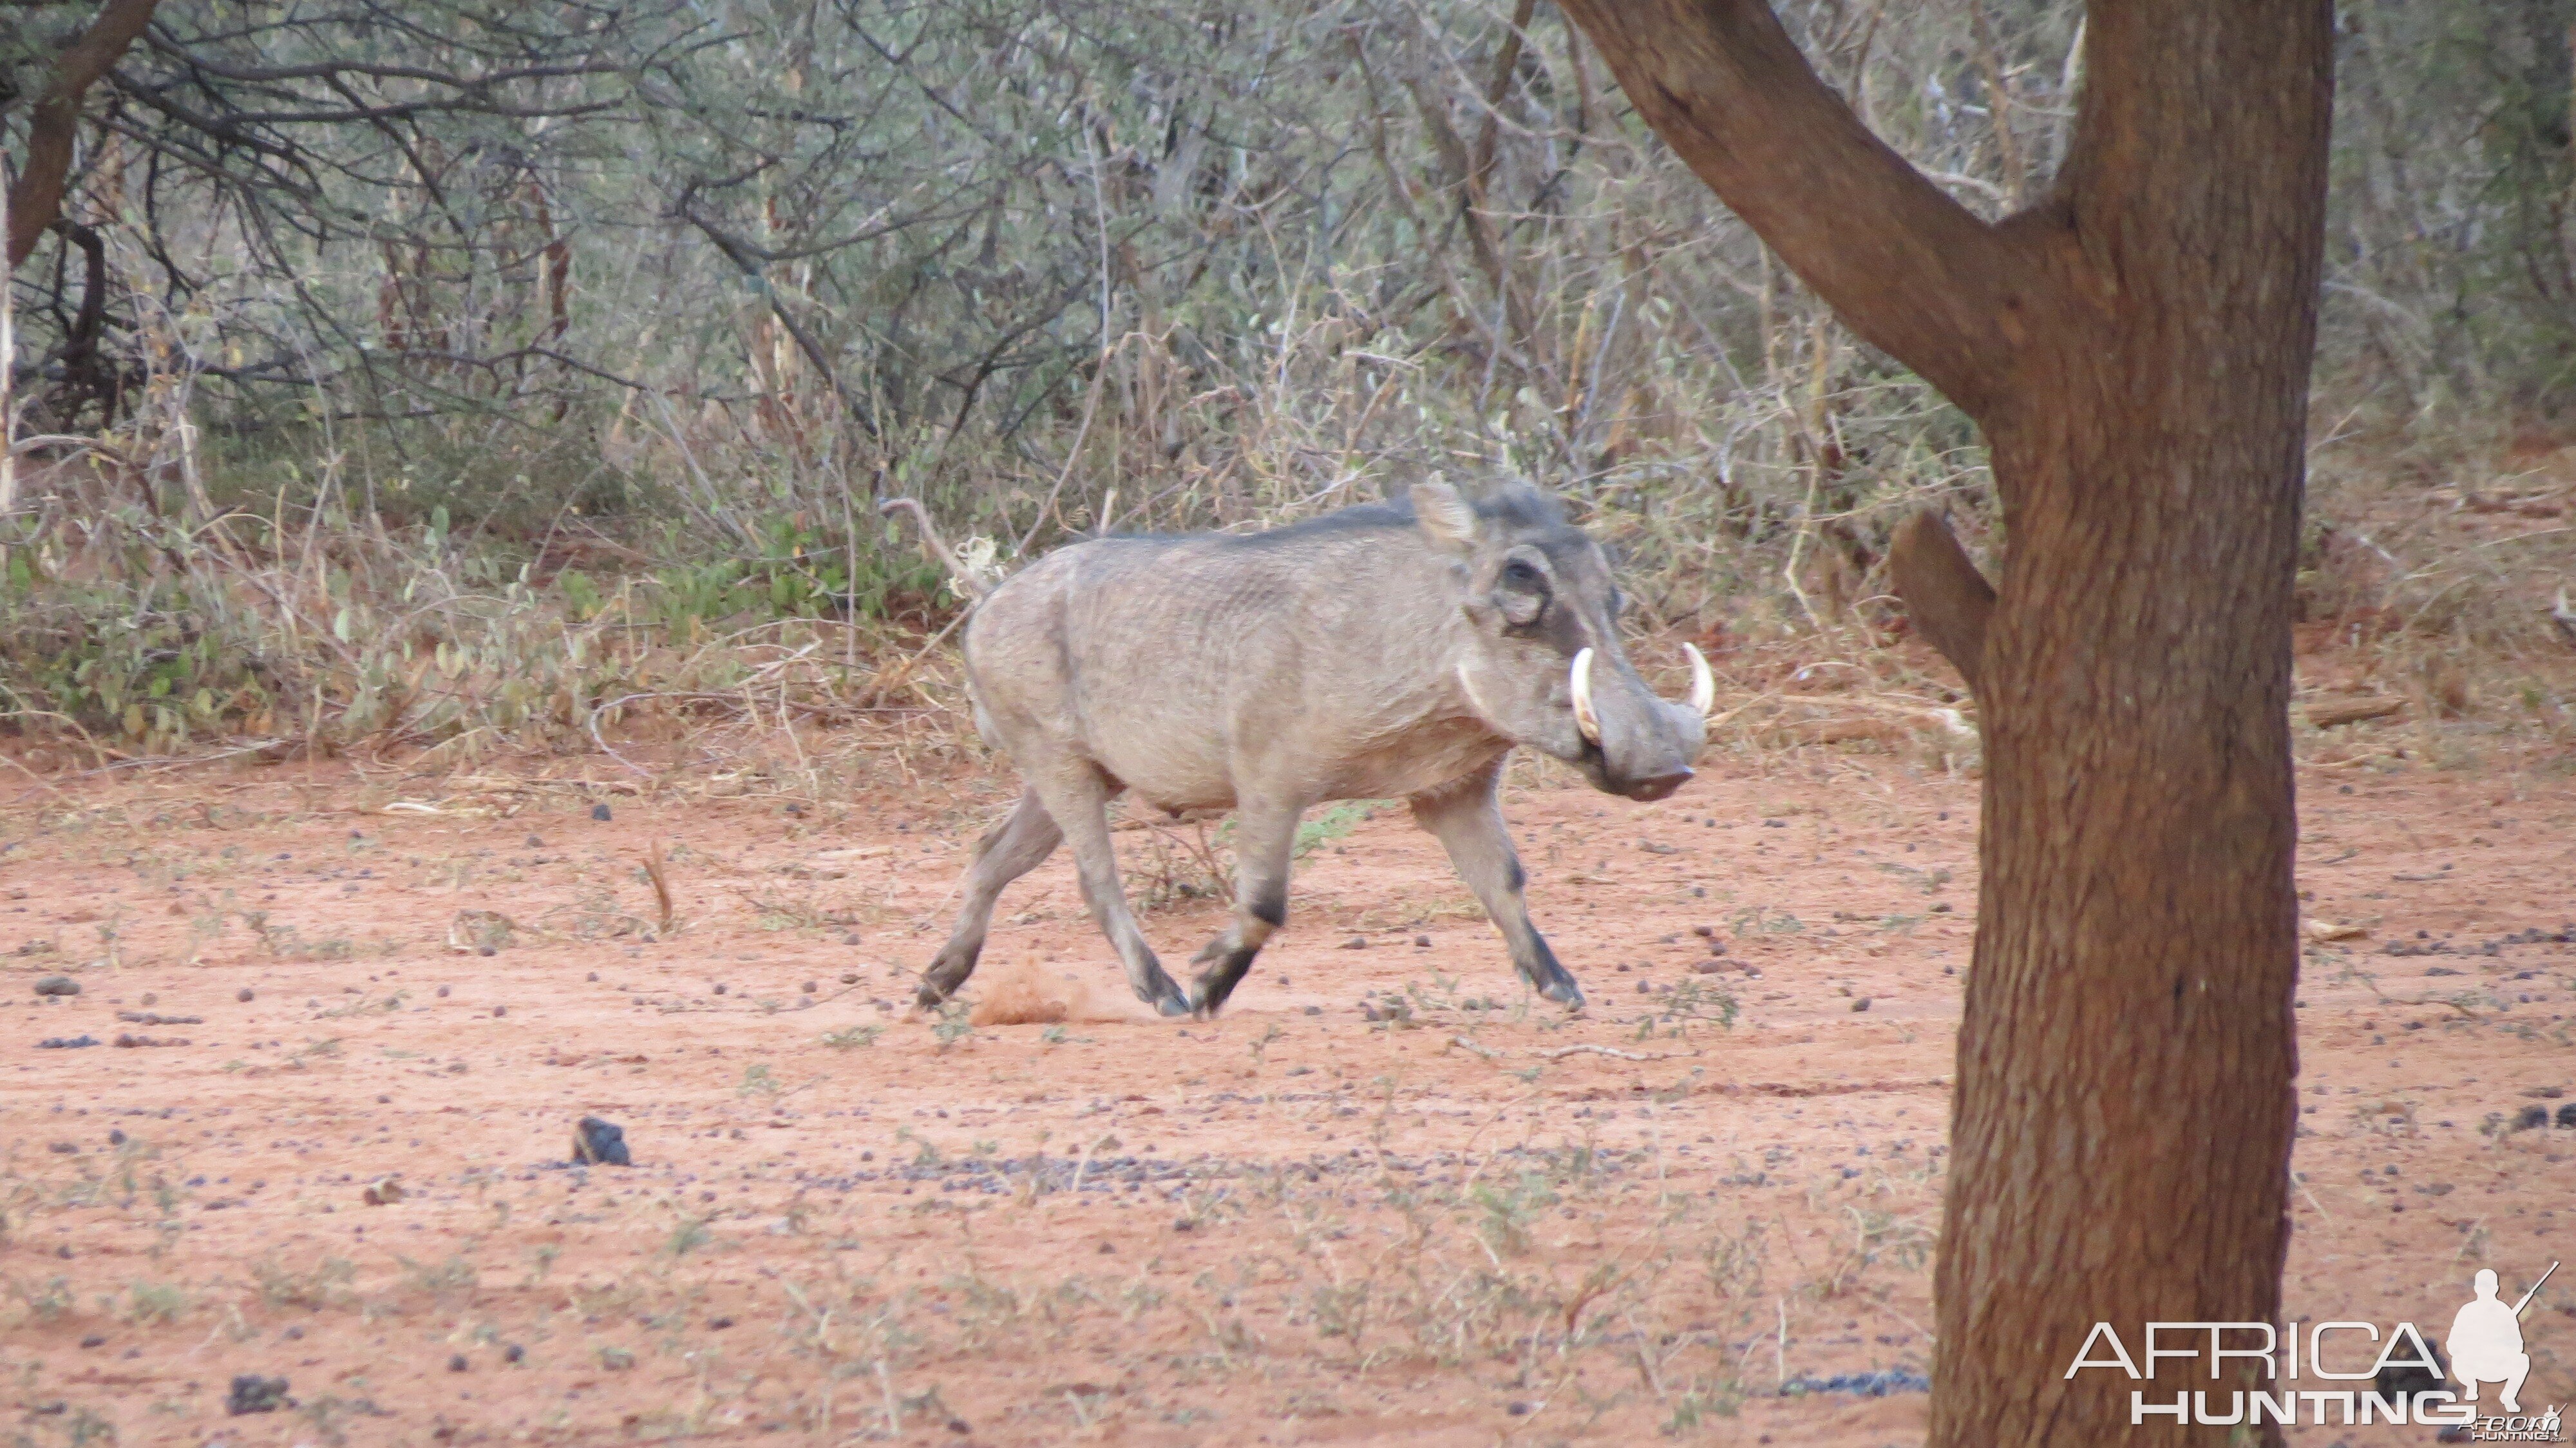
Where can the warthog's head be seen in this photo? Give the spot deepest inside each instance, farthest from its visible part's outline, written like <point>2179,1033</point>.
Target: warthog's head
<point>1543,665</point>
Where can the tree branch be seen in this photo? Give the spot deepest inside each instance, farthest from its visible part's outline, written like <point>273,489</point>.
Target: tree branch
<point>37,198</point>
<point>1948,599</point>
<point>1910,270</point>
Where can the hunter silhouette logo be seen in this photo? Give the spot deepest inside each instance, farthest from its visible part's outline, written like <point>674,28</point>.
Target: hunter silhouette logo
<point>2486,1341</point>
<point>2486,1347</point>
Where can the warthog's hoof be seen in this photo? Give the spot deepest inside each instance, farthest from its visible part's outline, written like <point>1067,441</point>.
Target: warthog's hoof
<point>1564,992</point>
<point>1174,1004</point>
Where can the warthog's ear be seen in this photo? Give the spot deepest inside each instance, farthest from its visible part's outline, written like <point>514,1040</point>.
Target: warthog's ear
<point>1446,518</point>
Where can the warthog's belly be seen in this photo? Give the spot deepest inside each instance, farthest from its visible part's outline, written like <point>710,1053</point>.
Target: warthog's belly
<point>1417,763</point>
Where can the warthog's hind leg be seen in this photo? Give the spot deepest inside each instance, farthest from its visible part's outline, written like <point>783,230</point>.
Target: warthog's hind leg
<point>1080,806</point>
<point>1468,821</point>
<point>1019,844</point>
<point>1265,842</point>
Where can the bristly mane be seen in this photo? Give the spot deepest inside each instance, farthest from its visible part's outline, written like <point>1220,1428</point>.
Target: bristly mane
<point>1517,503</point>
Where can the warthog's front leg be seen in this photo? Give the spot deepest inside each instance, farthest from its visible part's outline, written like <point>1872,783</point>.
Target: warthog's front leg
<point>1265,841</point>
<point>1009,850</point>
<point>1468,820</point>
<point>1080,806</point>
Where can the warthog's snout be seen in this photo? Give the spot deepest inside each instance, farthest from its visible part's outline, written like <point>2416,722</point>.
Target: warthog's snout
<point>1635,744</point>
<point>1655,786</point>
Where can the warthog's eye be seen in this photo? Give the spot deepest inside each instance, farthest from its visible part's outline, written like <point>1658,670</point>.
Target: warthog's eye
<point>1521,593</point>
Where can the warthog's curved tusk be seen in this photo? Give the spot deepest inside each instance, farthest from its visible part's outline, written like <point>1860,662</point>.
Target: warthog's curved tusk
<point>1703,683</point>
<point>1581,677</point>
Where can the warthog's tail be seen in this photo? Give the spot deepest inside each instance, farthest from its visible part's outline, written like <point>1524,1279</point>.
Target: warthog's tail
<point>967,583</point>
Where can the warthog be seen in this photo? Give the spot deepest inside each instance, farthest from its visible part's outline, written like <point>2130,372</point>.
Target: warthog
<point>1388,650</point>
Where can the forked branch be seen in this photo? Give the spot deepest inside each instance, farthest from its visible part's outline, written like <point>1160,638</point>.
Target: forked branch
<point>1909,269</point>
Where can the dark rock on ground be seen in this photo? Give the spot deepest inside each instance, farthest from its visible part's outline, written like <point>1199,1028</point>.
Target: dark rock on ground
<point>58,985</point>
<point>599,1141</point>
<point>254,1394</point>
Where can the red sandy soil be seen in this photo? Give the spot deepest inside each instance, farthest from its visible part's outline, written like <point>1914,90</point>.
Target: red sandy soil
<point>848,1221</point>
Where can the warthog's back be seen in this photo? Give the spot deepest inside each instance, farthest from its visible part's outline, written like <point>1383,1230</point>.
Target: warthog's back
<point>1175,662</point>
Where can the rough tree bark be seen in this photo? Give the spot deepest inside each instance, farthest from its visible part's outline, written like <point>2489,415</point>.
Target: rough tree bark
<point>2136,348</point>
<point>36,198</point>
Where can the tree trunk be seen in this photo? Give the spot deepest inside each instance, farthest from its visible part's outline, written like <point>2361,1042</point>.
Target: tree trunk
<point>37,197</point>
<point>2136,348</point>
<point>2122,1139</point>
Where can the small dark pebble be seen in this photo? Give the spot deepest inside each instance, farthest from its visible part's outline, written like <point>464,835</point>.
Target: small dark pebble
<point>719,1324</point>
<point>2531,1118</point>
<point>254,1394</point>
<point>514,1353</point>
<point>456,1363</point>
<point>65,1043</point>
<point>243,995</point>
<point>812,986</point>
<point>599,1141</point>
<point>1319,1010</point>
<point>960,1425</point>
<point>442,992</point>
<point>1356,942</point>
<point>849,977</point>
<point>720,990</point>
<point>93,1340</point>
<point>2567,1116</point>
<point>117,1138</point>
<point>1422,941</point>
<point>1860,1005</point>
<point>599,812</point>
<point>594,975</point>
<point>534,843</point>
<point>58,985</point>
<point>1517,1410</point>
<point>487,950</point>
